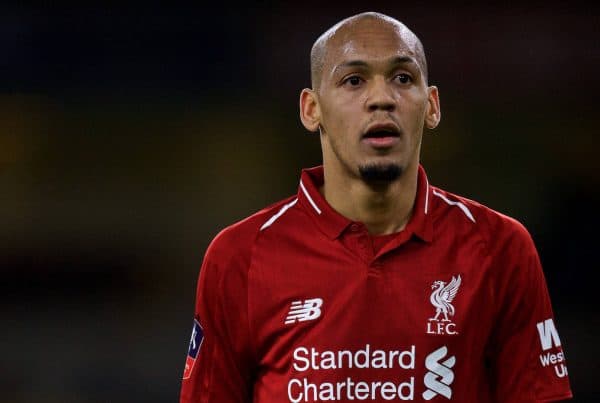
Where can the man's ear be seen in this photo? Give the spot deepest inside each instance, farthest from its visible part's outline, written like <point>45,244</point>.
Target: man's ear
<point>310,112</point>
<point>433,114</point>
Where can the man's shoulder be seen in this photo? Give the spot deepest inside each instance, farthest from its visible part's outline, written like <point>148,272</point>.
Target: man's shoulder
<point>239,237</point>
<point>466,212</point>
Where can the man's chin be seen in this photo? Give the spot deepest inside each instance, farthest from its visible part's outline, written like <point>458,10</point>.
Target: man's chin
<point>380,173</point>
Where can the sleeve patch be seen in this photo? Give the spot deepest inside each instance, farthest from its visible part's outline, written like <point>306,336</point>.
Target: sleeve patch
<point>194,348</point>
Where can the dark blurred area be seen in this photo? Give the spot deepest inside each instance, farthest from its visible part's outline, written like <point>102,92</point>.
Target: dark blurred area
<point>130,136</point>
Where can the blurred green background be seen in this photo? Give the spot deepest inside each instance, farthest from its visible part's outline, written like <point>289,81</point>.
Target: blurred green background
<point>130,136</point>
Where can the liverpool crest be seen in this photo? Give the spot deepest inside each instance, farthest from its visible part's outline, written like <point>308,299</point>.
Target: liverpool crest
<point>441,298</point>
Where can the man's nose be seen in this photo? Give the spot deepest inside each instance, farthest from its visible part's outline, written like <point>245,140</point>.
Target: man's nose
<point>380,96</point>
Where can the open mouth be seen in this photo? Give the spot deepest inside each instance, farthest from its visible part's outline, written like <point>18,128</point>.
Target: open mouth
<point>380,133</point>
<point>381,136</point>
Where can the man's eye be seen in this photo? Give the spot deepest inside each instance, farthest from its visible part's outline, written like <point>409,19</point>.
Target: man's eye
<point>404,78</point>
<point>353,81</point>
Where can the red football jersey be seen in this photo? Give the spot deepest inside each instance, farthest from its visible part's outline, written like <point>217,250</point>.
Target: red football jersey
<point>295,304</point>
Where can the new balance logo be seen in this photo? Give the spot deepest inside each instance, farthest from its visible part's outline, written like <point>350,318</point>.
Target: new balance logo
<point>301,311</point>
<point>440,376</point>
<point>548,334</point>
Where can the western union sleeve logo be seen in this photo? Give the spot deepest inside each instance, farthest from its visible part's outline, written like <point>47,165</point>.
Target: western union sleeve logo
<point>549,339</point>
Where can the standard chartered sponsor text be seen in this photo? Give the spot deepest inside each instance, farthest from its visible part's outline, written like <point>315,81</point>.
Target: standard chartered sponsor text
<point>302,389</point>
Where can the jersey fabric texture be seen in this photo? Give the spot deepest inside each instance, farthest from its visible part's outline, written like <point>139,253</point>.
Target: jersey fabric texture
<point>295,304</point>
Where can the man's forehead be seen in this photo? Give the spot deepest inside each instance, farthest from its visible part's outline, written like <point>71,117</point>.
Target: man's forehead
<point>371,44</point>
<point>371,39</point>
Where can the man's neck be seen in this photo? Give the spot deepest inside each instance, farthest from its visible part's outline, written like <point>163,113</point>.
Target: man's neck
<point>384,209</point>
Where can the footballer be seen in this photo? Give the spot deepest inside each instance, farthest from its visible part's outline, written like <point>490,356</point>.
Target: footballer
<point>372,284</point>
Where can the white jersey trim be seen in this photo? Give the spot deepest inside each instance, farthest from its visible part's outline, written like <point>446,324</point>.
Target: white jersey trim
<point>278,214</point>
<point>426,196</point>
<point>312,202</point>
<point>464,208</point>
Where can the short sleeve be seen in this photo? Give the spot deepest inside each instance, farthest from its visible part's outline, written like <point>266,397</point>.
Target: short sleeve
<point>219,361</point>
<point>527,360</point>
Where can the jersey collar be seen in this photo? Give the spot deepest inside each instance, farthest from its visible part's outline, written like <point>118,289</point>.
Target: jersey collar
<point>333,224</point>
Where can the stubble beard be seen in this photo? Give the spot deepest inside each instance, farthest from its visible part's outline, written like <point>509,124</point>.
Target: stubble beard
<point>380,174</point>
<point>376,175</point>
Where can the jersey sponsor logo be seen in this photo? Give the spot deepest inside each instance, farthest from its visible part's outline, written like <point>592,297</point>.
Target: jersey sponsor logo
<point>300,311</point>
<point>549,339</point>
<point>548,334</point>
<point>307,386</point>
<point>195,343</point>
<point>439,376</point>
<point>441,298</point>
<point>364,374</point>
<point>349,389</point>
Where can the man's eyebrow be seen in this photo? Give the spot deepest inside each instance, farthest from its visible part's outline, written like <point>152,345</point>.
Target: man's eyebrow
<point>403,60</point>
<point>361,63</point>
<point>351,63</point>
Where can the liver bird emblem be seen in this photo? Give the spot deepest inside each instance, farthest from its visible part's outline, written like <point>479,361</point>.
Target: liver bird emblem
<point>442,296</point>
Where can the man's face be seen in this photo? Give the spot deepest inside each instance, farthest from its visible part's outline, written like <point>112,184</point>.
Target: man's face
<point>373,100</point>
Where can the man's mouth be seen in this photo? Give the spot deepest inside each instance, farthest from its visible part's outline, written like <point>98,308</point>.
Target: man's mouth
<point>381,135</point>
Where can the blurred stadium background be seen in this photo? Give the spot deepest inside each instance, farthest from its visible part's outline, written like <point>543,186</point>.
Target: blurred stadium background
<point>130,136</point>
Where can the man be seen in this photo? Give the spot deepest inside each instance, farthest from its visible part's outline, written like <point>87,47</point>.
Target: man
<point>371,284</point>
